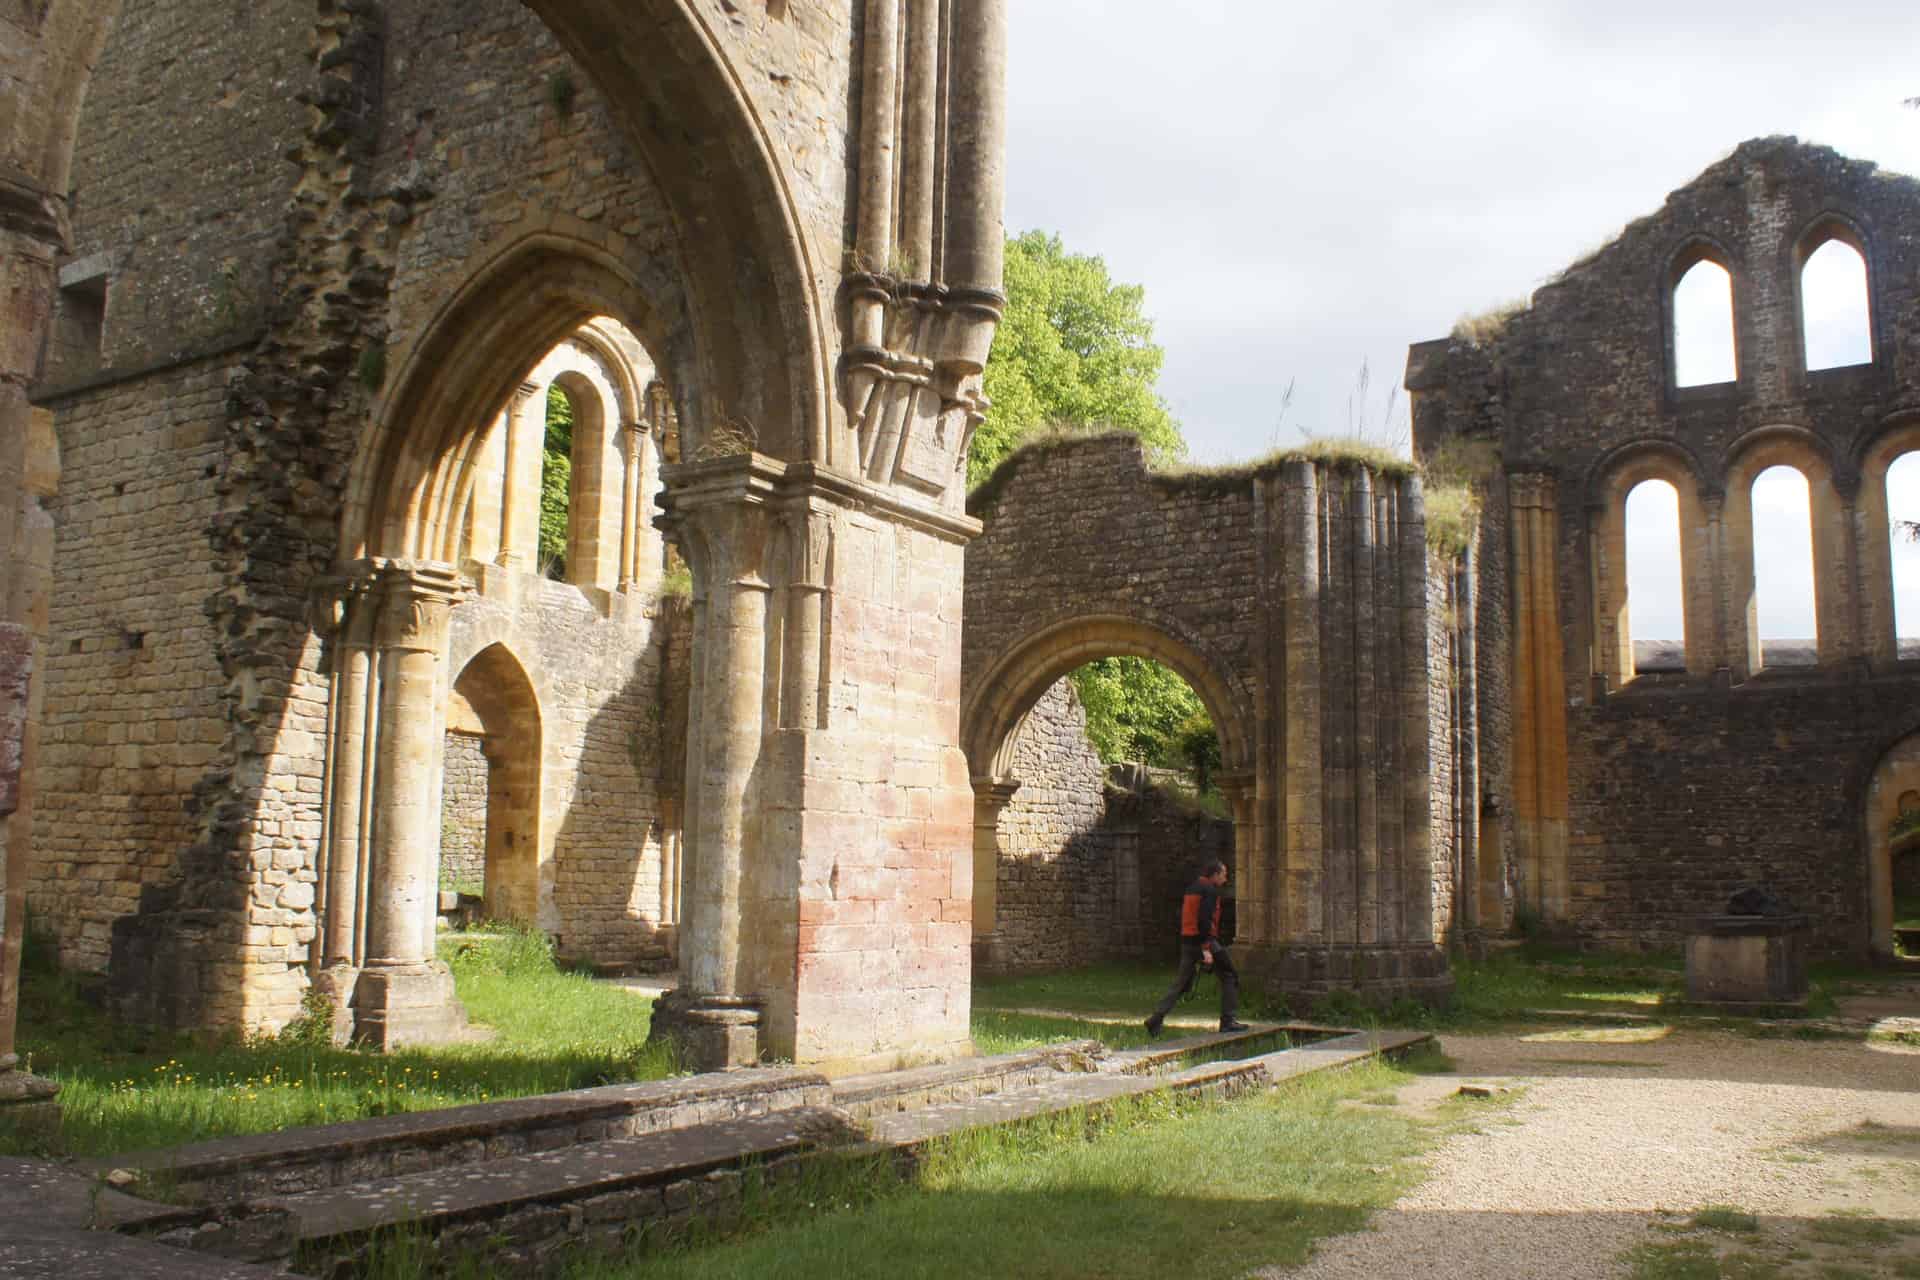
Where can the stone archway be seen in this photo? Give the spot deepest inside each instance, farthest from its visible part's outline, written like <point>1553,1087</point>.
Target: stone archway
<point>494,701</point>
<point>1892,840</point>
<point>1292,596</point>
<point>1094,887</point>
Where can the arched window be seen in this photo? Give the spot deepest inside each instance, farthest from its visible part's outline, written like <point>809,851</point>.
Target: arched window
<point>1656,615</point>
<point>1703,351</point>
<point>1903,511</point>
<point>1833,305</point>
<point>1783,568</point>
<point>556,484</point>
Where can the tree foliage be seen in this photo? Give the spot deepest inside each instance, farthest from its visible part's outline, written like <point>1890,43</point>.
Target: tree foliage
<point>556,483</point>
<point>1138,709</point>
<point>1075,351</point>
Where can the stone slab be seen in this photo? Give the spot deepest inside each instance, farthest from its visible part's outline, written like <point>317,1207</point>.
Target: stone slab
<point>668,1100</point>
<point>912,1128</point>
<point>1166,1053</point>
<point>879,1091</point>
<point>44,1234</point>
<point>434,1200</point>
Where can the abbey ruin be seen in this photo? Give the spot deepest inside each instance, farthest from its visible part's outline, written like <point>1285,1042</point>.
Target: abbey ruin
<point>287,649</point>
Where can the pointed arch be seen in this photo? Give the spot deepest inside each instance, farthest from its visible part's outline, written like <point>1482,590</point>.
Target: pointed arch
<point>1833,292</point>
<point>1700,301</point>
<point>493,698</point>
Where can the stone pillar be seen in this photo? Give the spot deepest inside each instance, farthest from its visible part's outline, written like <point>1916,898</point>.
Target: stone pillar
<point>990,796</point>
<point>1539,698</point>
<point>829,874</point>
<point>725,528</point>
<point>403,995</point>
<point>639,546</point>
<point>32,231</point>
<point>520,485</point>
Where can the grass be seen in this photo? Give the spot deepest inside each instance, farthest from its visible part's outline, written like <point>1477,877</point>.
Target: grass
<point>1140,1190</point>
<point>126,1088</point>
<point>1725,1217</point>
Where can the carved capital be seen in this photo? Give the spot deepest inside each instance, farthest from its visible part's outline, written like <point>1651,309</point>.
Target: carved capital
<point>991,794</point>
<point>416,600</point>
<point>1537,489</point>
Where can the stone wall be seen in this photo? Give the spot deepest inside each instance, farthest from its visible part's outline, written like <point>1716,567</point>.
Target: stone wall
<point>463,812</point>
<point>1293,596</point>
<point>204,496</point>
<point>133,715</point>
<point>1087,872</point>
<point>1640,801</point>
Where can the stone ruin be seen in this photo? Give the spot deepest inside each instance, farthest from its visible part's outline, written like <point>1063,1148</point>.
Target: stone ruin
<point>274,522</point>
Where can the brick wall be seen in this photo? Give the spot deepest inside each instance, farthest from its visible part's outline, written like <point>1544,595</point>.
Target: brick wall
<point>463,812</point>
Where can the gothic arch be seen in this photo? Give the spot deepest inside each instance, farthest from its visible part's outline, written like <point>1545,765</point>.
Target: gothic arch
<point>762,338</point>
<point>495,688</point>
<point>992,716</point>
<point>414,471</point>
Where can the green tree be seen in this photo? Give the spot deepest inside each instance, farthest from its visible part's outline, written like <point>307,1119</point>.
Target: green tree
<point>1075,351</point>
<point>556,483</point>
<point>1137,709</point>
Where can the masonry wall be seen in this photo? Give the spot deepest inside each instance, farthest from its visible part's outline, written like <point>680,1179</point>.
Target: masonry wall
<point>203,500</point>
<point>463,812</point>
<point>1682,787</point>
<point>133,711</point>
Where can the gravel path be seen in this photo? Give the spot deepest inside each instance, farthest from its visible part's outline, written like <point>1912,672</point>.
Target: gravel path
<point>1607,1136</point>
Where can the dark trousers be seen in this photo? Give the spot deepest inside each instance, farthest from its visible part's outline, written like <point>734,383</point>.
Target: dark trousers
<point>1189,965</point>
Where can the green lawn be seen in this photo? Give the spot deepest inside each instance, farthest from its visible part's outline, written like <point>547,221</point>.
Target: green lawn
<point>1159,1188</point>
<point>126,1088</point>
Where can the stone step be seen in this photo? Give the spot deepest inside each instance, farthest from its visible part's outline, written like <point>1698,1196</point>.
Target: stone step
<point>911,1129</point>
<point>1164,1055</point>
<point>621,1181</point>
<point>881,1092</point>
<point>358,1151</point>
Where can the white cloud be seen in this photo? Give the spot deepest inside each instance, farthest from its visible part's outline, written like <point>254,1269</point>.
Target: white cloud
<point>1303,188</point>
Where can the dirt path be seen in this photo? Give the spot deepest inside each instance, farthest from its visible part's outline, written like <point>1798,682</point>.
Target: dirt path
<point>1618,1137</point>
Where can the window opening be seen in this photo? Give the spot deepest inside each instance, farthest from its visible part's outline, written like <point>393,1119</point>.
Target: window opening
<point>1656,619</point>
<point>1903,507</point>
<point>1703,326</point>
<point>1783,568</point>
<point>556,484</point>
<point>1833,307</point>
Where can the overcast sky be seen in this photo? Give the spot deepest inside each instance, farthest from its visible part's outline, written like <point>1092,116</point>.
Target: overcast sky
<point>1301,188</point>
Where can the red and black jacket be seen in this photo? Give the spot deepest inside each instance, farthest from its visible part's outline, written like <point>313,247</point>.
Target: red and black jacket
<point>1200,912</point>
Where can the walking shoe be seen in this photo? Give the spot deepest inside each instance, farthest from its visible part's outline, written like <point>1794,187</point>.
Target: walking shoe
<point>1153,1027</point>
<point>1233,1024</point>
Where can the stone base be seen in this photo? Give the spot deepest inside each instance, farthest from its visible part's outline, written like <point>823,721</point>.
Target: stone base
<point>1298,976</point>
<point>406,1004</point>
<point>337,986</point>
<point>28,1112</point>
<point>1757,960</point>
<point>709,1033</point>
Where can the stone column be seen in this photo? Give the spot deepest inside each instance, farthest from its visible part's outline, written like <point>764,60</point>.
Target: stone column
<point>32,231</point>
<point>828,865</point>
<point>403,995</point>
<point>1539,698</point>
<point>725,527</point>
<point>633,514</point>
<point>346,614</point>
<point>520,486</point>
<point>990,796</point>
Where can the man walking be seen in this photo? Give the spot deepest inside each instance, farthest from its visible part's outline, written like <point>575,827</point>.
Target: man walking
<point>1200,946</point>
